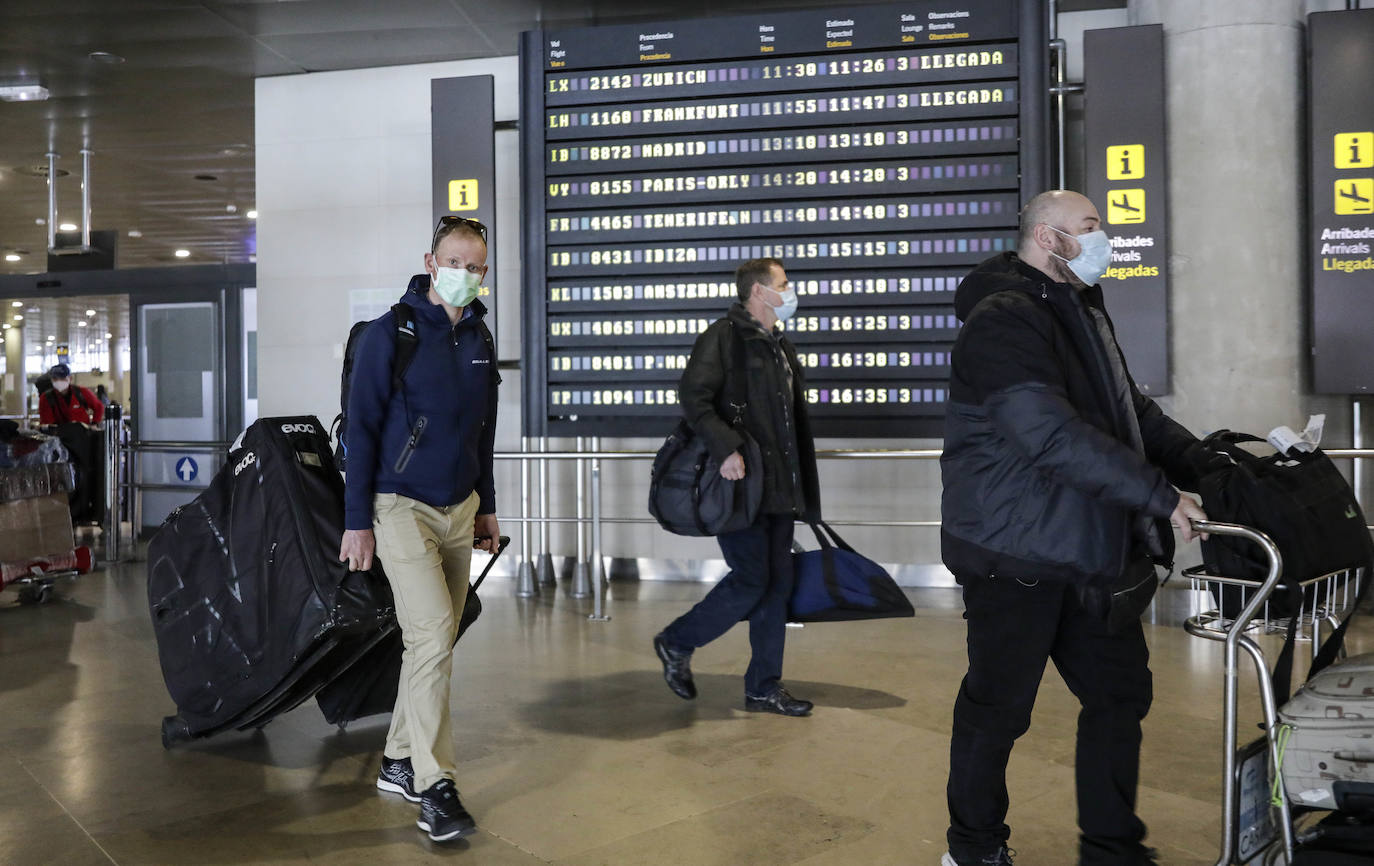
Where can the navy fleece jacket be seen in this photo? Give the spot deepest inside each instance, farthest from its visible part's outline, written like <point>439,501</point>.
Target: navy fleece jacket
<point>450,384</point>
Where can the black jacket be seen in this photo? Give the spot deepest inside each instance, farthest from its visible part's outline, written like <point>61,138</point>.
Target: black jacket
<point>1040,477</point>
<point>790,484</point>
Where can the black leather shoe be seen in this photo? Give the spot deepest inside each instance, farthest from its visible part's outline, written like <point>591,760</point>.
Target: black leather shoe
<point>777,701</point>
<point>677,668</point>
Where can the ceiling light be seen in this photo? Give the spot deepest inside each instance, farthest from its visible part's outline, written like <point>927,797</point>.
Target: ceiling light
<point>67,227</point>
<point>31,310</point>
<point>252,214</point>
<point>231,208</point>
<point>108,335</point>
<point>80,324</point>
<point>17,304</point>
<point>18,318</point>
<point>135,233</point>
<point>12,257</point>
<point>90,312</point>
<point>40,222</point>
<point>181,254</point>
<point>28,92</point>
<point>51,338</point>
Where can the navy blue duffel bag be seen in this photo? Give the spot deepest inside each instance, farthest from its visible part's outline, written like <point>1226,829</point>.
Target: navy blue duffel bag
<point>835,584</point>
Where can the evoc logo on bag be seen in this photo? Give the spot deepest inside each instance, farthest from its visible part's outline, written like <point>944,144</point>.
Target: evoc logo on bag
<point>247,461</point>
<point>297,428</point>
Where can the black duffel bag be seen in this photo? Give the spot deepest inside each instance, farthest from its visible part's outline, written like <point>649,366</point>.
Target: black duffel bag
<point>1300,501</point>
<point>687,495</point>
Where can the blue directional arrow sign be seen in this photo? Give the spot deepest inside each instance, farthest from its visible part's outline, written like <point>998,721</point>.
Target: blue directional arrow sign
<point>187,470</point>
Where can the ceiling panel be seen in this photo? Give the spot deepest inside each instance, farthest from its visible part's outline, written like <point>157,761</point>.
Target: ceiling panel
<point>181,103</point>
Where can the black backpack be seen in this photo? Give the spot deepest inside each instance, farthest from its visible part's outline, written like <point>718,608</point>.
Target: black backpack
<point>407,340</point>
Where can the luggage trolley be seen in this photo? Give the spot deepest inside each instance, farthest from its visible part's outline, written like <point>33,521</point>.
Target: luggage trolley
<point>1248,833</point>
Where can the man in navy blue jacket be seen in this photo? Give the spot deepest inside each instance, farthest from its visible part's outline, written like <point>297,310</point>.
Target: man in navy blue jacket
<point>419,490</point>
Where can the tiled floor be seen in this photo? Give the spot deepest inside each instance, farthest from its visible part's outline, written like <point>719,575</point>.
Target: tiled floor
<point>572,750</point>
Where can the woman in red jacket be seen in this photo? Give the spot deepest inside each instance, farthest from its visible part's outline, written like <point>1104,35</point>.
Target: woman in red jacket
<point>68,401</point>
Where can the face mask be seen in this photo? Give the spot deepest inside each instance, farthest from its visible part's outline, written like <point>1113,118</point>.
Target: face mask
<point>789,304</point>
<point>61,385</point>
<point>457,287</point>
<point>1093,259</point>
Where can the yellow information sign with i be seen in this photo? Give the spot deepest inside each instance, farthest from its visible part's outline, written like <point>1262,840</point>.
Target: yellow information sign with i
<point>1126,162</point>
<point>1354,149</point>
<point>462,194</point>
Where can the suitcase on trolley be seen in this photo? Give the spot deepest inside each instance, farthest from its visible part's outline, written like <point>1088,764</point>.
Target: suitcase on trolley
<point>1328,760</point>
<point>252,610</point>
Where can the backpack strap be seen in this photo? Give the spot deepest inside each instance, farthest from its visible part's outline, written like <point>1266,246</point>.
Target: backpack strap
<point>407,342</point>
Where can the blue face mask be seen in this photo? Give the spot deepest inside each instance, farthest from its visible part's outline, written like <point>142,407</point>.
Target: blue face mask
<point>789,304</point>
<point>1094,255</point>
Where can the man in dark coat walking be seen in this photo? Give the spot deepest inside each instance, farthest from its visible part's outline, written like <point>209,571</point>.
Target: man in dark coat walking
<point>760,556</point>
<point>1057,474</point>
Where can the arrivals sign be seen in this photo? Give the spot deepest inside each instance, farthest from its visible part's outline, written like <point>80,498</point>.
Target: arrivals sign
<point>1123,119</point>
<point>1341,199</point>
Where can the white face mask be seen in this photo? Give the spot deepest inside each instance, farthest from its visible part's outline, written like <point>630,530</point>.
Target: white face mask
<point>61,384</point>
<point>458,287</point>
<point>789,304</point>
<point>1094,255</point>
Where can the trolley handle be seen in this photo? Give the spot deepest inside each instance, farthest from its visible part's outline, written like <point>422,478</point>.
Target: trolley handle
<point>1271,580</point>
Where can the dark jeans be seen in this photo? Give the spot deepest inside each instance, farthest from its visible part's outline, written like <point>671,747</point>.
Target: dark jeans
<point>757,588</point>
<point>1012,630</point>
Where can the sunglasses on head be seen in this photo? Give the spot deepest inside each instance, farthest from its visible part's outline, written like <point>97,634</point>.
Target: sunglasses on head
<point>446,224</point>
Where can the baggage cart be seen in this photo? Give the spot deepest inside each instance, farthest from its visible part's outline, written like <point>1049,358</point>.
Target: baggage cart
<point>1253,831</point>
<point>37,545</point>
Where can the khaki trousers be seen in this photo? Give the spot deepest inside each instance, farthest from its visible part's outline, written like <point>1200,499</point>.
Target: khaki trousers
<point>427,554</point>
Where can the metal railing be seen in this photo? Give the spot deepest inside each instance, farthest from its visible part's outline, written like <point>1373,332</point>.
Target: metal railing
<point>535,458</point>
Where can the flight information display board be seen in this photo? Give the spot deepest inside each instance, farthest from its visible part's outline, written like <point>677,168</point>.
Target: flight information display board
<point>879,151</point>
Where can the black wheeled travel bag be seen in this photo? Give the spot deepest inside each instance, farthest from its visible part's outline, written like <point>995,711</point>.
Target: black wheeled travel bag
<point>370,687</point>
<point>252,610</point>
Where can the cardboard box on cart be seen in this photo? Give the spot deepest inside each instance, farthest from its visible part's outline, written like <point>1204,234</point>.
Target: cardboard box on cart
<point>35,527</point>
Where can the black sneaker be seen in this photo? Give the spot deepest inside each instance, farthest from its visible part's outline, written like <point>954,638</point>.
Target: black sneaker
<point>442,815</point>
<point>777,701</point>
<point>1001,857</point>
<point>398,777</point>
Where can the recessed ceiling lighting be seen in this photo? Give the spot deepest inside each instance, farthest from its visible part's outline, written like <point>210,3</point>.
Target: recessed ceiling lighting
<point>31,310</point>
<point>105,57</point>
<point>17,304</point>
<point>181,254</point>
<point>11,257</point>
<point>40,222</point>
<point>231,208</point>
<point>27,92</point>
<point>67,227</point>
<point>51,337</point>
<point>252,214</point>
<point>80,324</point>
<point>90,312</point>
<point>135,233</point>
<point>108,335</point>
<point>18,318</point>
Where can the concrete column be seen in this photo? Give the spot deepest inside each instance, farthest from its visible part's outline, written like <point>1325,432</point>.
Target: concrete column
<point>15,383</point>
<point>1234,73</point>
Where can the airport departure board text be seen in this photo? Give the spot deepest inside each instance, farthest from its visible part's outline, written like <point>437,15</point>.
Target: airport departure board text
<point>879,151</point>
